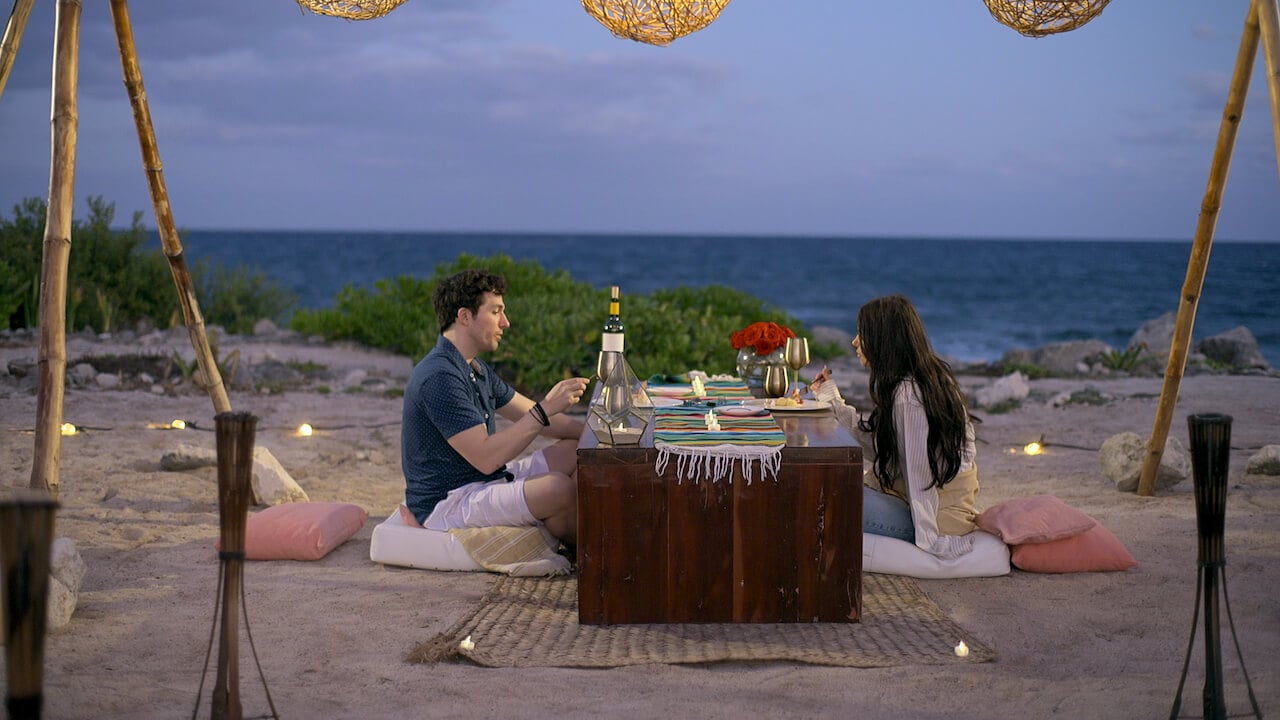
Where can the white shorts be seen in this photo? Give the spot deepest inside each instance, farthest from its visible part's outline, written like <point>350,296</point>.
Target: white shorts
<point>496,502</point>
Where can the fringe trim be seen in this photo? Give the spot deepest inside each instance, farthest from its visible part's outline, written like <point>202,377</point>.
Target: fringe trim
<point>715,462</point>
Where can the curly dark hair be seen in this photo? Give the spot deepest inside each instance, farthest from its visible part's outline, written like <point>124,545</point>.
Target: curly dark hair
<point>465,289</point>
<point>894,341</point>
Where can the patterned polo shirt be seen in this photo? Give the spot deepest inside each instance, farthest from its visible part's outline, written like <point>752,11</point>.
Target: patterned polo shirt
<point>444,397</point>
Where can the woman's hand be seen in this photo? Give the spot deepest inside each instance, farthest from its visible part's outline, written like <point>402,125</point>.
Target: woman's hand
<point>822,377</point>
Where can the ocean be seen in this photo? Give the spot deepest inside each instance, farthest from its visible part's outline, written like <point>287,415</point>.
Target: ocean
<point>978,297</point>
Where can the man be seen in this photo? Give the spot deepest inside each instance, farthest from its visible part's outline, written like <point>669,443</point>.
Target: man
<point>460,470</point>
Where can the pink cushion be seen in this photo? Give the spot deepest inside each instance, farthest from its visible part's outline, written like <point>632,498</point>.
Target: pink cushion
<point>301,530</point>
<point>1094,550</point>
<point>1036,519</point>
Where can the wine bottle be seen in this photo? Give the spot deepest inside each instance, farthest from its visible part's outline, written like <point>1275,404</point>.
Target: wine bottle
<point>613,328</point>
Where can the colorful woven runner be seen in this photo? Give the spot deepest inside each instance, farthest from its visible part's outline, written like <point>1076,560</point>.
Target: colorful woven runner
<point>719,389</point>
<point>702,454</point>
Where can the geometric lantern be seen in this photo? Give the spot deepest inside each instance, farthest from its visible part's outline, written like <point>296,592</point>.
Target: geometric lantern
<point>656,22</point>
<point>1037,18</point>
<point>351,9</point>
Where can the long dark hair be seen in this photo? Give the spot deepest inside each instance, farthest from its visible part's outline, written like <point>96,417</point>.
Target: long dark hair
<point>897,348</point>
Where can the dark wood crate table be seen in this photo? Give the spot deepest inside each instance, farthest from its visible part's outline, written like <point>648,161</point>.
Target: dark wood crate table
<point>654,549</point>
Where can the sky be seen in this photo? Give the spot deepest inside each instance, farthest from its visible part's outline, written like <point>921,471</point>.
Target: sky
<point>783,117</point>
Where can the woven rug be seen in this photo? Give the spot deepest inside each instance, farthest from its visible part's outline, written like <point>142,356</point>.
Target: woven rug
<point>533,622</point>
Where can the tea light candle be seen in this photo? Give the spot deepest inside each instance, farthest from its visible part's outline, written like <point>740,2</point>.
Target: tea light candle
<point>962,650</point>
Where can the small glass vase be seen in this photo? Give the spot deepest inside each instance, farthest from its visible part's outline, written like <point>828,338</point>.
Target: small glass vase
<point>752,366</point>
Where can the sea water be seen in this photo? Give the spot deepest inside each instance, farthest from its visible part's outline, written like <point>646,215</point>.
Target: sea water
<point>978,297</point>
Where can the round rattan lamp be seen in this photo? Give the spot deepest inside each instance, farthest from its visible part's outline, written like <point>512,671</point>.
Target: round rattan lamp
<point>1038,18</point>
<point>656,22</point>
<point>351,9</point>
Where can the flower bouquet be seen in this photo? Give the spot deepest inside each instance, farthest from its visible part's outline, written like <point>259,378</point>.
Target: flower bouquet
<point>759,345</point>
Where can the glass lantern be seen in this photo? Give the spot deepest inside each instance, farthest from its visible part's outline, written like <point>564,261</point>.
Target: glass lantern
<point>621,410</point>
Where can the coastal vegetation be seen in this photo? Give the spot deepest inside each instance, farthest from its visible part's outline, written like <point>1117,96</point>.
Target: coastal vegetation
<point>114,282</point>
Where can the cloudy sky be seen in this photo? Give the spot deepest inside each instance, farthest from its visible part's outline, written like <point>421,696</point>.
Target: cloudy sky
<point>824,117</point>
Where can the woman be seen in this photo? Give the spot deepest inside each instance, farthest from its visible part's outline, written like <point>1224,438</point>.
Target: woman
<point>919,434</point>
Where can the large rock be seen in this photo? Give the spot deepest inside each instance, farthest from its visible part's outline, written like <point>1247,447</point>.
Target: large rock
<point>272,484</point>
<point>1121,458</point>
<point>66,574</point>
<point>1236,347</point>
<point>1062,358</point>
<point>1156,334</point>
<point>1265,462</point>
<point>1010,388</point>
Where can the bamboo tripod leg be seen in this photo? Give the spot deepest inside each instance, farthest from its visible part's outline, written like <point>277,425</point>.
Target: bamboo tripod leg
<point>169,239</point>
<point>1199,261</point>
<point>13,38</point>
<point>1269,26</point>
<point>57,251</point>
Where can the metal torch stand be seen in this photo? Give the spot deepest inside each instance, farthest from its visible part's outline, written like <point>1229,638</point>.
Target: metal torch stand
<point>1210,459</point>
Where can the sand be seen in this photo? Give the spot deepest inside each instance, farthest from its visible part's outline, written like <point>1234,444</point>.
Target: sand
<point>331,635</point>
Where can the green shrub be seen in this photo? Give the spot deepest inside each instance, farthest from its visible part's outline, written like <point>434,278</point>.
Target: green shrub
<point>555,322</point>
<point>113,281</point>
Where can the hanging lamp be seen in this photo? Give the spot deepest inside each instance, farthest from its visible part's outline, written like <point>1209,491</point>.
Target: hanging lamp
<point>656,22</point>
<point>351,9</point>
<point>1038,18</point>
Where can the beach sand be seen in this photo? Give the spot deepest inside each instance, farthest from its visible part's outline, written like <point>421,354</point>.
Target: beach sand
<point>331,635</point>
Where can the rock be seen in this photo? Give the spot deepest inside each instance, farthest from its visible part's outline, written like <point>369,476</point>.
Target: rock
<point>107,380</point>
<point>65,563</point>
<point>265,327</point>
<point>1010,388</point>
<point>1156,334</point>
<point>1122,455</point>
<point>1063,358</point>
<point>1265,462</point>
<point>60,605</point>
<point>188,457</point>
<point>355,378</point>
<point>1236,347</point>
<point>272,485</point>
<point>274,372</point>
<point>828,334</point>
<point>82,374</point>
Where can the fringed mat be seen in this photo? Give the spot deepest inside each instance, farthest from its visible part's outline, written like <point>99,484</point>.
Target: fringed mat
<point>533,622</point>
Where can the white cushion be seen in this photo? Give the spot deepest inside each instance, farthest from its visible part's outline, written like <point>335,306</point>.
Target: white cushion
<point>891,556</point>
<point>395,543</point>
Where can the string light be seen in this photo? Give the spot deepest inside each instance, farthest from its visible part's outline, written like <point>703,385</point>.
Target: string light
<point>178,424</point>
<point>69,429</point>
<point>305,430</point>
<point>1033,448</point>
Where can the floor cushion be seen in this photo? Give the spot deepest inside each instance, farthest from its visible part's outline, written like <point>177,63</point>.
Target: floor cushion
<point>891,556</point>
<point>300,530</point>
<point>1035,519</point>
<point>396,542</point>
<point>1095,550</point>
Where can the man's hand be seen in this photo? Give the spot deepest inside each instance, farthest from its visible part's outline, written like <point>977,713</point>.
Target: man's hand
<point>564,395</point>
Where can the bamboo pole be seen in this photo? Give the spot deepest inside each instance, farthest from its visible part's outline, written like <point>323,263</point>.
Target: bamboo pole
<point>26,537</point>
<point>1269,26</point>
<point>1199,261</point>
<point>13,38</point>
<point>169,239</point>
<point>57,251</point>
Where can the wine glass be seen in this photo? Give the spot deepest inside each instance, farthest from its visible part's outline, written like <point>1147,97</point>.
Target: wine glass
<point>797,354</point>
<point>775,381</point>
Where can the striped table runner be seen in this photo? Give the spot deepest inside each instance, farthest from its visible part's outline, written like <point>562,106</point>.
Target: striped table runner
<point>719,389</point>
<point>705,455</point>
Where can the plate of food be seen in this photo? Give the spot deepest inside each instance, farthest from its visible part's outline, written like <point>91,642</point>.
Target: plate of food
<point>792,404</point>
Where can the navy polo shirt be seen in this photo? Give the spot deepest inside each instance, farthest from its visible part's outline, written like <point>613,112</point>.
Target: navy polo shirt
<point>445,396</point>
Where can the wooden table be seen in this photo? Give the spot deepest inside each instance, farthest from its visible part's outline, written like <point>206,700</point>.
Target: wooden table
<point>652,549</point>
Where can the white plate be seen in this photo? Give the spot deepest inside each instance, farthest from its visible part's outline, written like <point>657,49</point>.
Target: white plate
<point>660,401</point>
<point>809,405</point>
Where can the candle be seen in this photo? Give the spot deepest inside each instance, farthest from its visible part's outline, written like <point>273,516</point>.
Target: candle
<point>962,650</point>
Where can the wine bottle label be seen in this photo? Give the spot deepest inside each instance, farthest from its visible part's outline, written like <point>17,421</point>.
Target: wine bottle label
<point>612,342</point>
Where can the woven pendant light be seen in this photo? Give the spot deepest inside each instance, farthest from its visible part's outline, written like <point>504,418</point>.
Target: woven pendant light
<point>1038,18</point>
<point>656,22</point>
<point>351,9</point>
